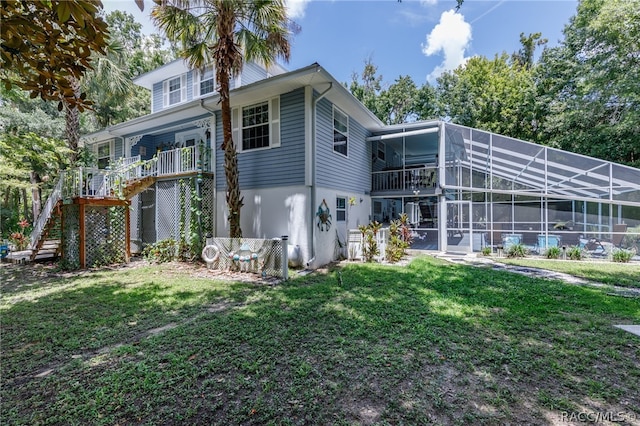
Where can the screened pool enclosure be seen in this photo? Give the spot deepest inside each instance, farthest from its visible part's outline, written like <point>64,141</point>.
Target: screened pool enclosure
<point>464,189</point>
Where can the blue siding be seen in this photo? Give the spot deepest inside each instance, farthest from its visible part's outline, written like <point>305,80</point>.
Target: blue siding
<point>282,166</point>
<point>190,86</point>
<point>119,148</point>
<point>334,170</point>
<point>157,97</point>
<point>251,73</point>
<point>148,142</point>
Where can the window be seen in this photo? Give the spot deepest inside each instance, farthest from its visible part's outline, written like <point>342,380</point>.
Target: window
<point>103,155</point>
<point>203,82</point>
<point>341,209</point>
<point>174,90</point>
<point>340,131</point>
<point>382,148</point>
<point>257,126</point>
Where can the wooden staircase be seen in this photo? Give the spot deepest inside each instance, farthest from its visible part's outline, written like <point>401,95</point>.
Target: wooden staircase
<point>129,178</point>
<point>135,186</point>
<point>49,243</point>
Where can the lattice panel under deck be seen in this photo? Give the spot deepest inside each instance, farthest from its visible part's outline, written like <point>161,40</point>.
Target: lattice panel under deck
<point>135,223</point>
<point>71,235</point>
<point>208,209</point>
<point>105,235</point>
<point>167,215</point>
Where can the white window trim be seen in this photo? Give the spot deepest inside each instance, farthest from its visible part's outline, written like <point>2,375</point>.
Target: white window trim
<point>274,125</point>
<point>183,91</point>
<point>333,120</point>
<point>112,150</point>
<point>346,204</point>
<point>197,74</point>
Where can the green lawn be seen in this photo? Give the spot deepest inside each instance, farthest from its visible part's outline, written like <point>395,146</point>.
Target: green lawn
<point>618,274</point>
<point>362,344</point>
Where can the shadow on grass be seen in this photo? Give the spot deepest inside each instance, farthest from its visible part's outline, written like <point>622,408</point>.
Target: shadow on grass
<point>364,344</point>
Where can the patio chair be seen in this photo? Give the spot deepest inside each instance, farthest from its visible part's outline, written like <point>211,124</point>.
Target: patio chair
<point>619,230</point>
<point>599,246</point>
<point>595,246</point>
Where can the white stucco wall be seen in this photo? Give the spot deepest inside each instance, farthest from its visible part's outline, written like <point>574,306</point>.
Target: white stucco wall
<point>273,212</point>
<point>357,214</point>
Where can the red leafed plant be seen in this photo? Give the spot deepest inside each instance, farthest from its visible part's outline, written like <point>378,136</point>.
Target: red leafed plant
<point>18,238</point>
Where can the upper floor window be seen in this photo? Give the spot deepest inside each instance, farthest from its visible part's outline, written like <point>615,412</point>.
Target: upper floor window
<point>103,154</point>
<point>174,90</point>
<point>203,81</point>
<point>258,125</point>
<point>340,131</point>
<point>255,126</point>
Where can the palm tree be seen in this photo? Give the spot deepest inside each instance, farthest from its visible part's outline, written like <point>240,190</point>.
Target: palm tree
<point>108,77</point>
<point>226,33</point>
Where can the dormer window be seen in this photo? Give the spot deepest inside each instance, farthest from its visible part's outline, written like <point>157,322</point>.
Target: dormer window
<point>203,81</point>
<point>174,90</point>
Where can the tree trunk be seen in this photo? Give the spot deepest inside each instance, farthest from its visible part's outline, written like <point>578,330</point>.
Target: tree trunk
<point>234,200</point>
<point>226,57</point>
<point>36,204</point>
<point>72,118</point>
<point>25,204</point>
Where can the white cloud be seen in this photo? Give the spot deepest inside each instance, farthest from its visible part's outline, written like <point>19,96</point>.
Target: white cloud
<point>296,8</point>
<point>429,2</point>
<point>451,36</point>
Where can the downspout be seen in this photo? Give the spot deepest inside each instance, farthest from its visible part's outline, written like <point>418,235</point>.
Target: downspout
<point>215,175</point>
<point>314,103</point>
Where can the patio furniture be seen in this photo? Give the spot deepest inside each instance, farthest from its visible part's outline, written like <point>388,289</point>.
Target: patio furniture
<point>619,230</point>
<point>546,241</point>
<point>509,240</point>
<point>599,246</point>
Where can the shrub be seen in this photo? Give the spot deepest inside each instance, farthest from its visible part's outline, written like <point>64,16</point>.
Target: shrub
<point>576,253</point>
<point>19,239</point>
<point>553,252</point>
<point>161,251</point>
<point>399,239</point>
<point>486,251</point>
<point>517,250</point>
<point>622,255</point>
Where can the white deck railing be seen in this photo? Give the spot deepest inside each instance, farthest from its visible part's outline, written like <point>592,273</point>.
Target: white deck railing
<point>100,183</point>
<point>53,199</point>
<point>404,179</point>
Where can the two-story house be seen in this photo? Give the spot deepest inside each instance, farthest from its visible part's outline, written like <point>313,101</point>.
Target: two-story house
<point>308,148</point>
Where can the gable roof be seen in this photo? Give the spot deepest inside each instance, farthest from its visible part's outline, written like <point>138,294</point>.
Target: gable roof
<point>313,75</point>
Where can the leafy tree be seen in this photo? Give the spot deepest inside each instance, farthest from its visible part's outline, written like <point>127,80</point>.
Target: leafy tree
<point>226,33</point>
<point>129,54</point>
<point>496,95</point>
<point>401,102</point>
<point>589,86</point>
<point>368,91</point>
<point>32,150</point>
<point>426,103</point>
<point>525,56</point>
<point>398,103</point>
<point>46,45</point>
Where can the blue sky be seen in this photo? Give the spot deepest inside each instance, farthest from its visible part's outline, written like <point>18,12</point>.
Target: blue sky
<point>419,38</point>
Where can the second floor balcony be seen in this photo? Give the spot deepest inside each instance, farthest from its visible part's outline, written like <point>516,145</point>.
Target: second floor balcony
<point>404,180</point>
